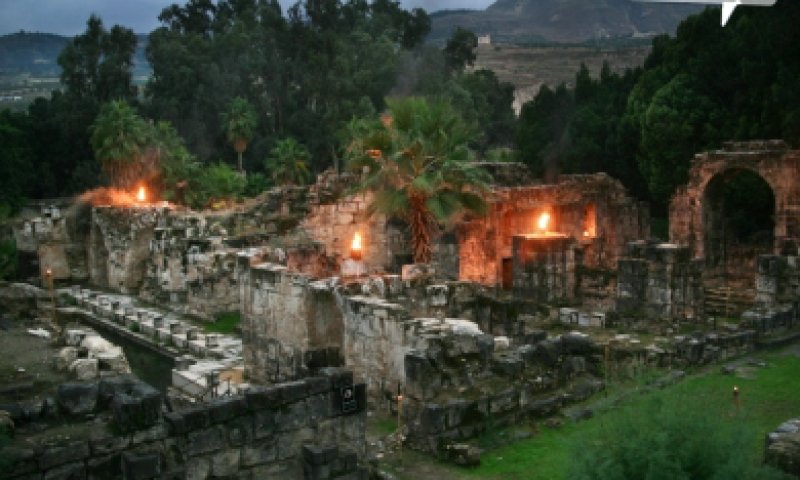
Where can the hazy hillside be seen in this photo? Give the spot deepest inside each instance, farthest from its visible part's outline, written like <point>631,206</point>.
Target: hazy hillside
<point>523,21</point>
<point>37,53</point>
<point>31,52</point>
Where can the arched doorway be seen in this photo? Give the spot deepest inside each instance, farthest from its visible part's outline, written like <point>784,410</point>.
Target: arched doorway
<point>738,222</point>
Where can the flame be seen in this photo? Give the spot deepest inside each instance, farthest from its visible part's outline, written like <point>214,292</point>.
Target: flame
<point>141,195</point>
<point>356,245</point>
<point>544,220</point>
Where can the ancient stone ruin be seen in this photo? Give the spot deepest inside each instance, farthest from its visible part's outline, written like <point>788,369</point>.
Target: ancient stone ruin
<point>522,312</point>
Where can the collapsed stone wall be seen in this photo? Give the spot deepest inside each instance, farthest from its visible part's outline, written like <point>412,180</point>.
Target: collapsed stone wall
<point>279,431</point>
<point>594,210</point>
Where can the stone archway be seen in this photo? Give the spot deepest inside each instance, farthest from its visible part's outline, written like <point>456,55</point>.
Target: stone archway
<point>771,160</point>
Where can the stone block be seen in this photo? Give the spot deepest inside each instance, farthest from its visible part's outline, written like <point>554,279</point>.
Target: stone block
<point>195,418</point>
<point>85,368</point>
<point>107,467</point>
<point>104,443</point>
<point>70,471</point>
<point>137,409</point>
<point>316,385</point>
<point>59,455</point>
<point>205,441</point>
<point>291,392</point>
<point>225,463</point>
<point>226,408</point>
<point>77,398</point>
<point>264,424</point>
<point>140,466</point>
<point>259,453</point>
<point>319,454</point>
<point>259,398</point>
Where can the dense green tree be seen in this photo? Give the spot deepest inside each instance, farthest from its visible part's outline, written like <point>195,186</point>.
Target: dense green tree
<point>306,73</point>
<point>419,167</point>
<point>460,49</point>
<point>96,66</point>
<point>678,122</point>
<point>16,163</point>
<point>121,141</point>
<point>288,163</point>
<point>240,123</point>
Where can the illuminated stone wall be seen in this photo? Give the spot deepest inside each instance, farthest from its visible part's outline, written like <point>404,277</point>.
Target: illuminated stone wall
<point>594,210</point>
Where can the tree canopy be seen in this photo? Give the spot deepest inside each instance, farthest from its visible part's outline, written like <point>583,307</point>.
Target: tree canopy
<point>418,166</point>
<point>706,85</point>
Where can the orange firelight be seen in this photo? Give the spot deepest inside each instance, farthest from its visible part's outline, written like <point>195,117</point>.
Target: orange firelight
<point>543,222</point>
<point>355,247</point>
<point>141,195</point>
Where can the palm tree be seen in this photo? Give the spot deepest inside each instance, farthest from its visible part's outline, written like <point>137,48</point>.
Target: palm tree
<point>240,122</point>
<point>418,167</point>
<point>288,162</point>
<point>120,140</point>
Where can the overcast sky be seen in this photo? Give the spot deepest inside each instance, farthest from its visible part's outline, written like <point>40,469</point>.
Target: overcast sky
<point>68,17</point>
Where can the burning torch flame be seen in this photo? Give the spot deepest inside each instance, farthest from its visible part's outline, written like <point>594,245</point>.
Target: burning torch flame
<point>355,247</point>
<point>544,220</point>
<point>141,196</point>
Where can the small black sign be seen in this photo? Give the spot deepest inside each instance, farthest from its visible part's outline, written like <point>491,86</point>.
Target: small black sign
<point>349,402</point>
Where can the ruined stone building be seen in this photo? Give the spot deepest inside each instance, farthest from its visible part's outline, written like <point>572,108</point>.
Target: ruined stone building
<point>319,283</point>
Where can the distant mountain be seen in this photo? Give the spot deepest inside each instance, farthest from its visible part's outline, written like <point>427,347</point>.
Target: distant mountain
<point>566,21</point>
<point>37,54</point>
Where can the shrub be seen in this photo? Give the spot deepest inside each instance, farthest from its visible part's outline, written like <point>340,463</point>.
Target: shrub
<point>671,442</point>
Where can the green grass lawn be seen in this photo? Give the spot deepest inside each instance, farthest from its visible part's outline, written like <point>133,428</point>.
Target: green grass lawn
<point>768,396</point>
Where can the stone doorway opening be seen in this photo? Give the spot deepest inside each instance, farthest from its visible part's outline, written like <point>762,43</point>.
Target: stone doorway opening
<point>738,223</point>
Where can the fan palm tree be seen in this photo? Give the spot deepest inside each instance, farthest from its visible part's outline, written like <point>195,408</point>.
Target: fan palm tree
<point>240,123</point>
<point>288,163</point>
<point>418,166</point>
<point>120,140</point>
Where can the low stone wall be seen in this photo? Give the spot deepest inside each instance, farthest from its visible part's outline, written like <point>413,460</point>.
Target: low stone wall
<point>777,279</point>
<point>458,385</point>
<point>274,432</point>
<point>659,280</point>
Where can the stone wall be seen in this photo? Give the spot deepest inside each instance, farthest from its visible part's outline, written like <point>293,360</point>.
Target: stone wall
<point>291,324</point>
<point>295,430</point>
<point>119,245</point>
<point>459,383</point>
<point>52,234</point>
<point>659,280</point>
<point>594,210</point>
<point>777,280</point>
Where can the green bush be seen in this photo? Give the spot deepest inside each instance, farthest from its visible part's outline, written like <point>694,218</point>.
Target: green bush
<point>256,184</point>
<point>220,181</point>
<point>8,259</point>
<point>667,440</point>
